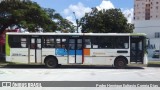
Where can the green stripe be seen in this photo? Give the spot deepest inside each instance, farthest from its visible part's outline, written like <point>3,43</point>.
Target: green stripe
<point>7,46</point>
<point>137,34</point>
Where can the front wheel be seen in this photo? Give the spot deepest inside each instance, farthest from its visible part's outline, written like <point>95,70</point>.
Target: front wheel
<point>120,63</point>
<point>51,62</point>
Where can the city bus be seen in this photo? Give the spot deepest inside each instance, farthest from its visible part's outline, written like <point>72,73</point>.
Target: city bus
<point>53,49</point>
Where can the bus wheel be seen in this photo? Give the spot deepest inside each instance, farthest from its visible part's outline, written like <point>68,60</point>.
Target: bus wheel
<point>120,63</point>
<point>51,62</point>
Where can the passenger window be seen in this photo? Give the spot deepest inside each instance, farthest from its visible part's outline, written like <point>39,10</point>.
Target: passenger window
<point>87,43</point>
<point>33,45</point>
<point>38,43</point>
<point>18,41</point>
<point>58,44</point>
<point>71,44</point>
<point>122,42</point>
<point>49,42</point>
<point>102,42</point>
<point>64,41</point>
<point>23,42</point>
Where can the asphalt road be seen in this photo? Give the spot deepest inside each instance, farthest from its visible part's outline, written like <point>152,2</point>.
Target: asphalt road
<point>79,73</point>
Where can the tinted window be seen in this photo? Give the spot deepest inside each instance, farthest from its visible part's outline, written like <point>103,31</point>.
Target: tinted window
<point>87,42</point>
<point>99,42</point>
<point>61,42</point>
<point>18,41</point>
<point>49,42</point>
<point>107,42</point>
<point>72,44</point>
<point>103,42</point>
<point>122,42</point>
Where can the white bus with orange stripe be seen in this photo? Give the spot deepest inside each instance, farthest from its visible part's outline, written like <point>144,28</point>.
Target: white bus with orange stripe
<point>51,49</point>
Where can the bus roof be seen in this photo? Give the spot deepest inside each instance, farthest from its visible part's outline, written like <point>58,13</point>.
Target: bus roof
<point>80,34</point>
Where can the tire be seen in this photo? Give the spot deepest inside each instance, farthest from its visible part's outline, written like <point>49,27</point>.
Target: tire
<point>51,62</point>
<point>120,63</point>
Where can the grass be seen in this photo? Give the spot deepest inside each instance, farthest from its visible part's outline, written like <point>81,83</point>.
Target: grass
<point>154,64</point>
<point>3,63</point>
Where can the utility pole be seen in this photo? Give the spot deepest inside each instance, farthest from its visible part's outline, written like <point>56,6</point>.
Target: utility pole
<point>76,21</point>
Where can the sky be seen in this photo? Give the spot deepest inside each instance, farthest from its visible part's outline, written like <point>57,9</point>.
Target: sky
<point>80,7</point>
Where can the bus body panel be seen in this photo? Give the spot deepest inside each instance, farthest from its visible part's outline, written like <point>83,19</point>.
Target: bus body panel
<point>79,58</point>
<point>32,56</point>
<point>63,60</point>
<point>104,56</point>
<point>39,55</point>
<point>19,55</point>
<point>8,59</point>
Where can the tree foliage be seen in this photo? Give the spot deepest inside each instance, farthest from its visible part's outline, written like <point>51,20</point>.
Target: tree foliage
<point>66,26</point>
<point>106,21</point>
<point>26,14</point>
<point>62,24</point>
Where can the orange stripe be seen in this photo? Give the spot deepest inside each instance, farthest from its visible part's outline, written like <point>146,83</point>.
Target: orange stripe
<point>86,52</point>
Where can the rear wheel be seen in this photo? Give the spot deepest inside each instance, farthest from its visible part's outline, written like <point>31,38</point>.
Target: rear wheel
<point>120,63</point>
<point>51,62</point>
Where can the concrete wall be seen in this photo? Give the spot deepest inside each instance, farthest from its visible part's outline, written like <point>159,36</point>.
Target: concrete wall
<point>147,26</point>
<point>140,9</point>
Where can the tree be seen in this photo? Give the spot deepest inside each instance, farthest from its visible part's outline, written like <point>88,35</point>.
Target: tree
<point>63,25</point>
<point>106,21</point>
<point>66,26</point>
<point>25,14</point>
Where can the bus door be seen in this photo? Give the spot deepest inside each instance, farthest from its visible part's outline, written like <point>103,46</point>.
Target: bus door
<point>75,50</point>
<point>137,49</point>
<point>35,50</point>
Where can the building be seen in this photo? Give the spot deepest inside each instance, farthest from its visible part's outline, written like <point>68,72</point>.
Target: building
<point>147,20</point>
<point>146,9</point>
